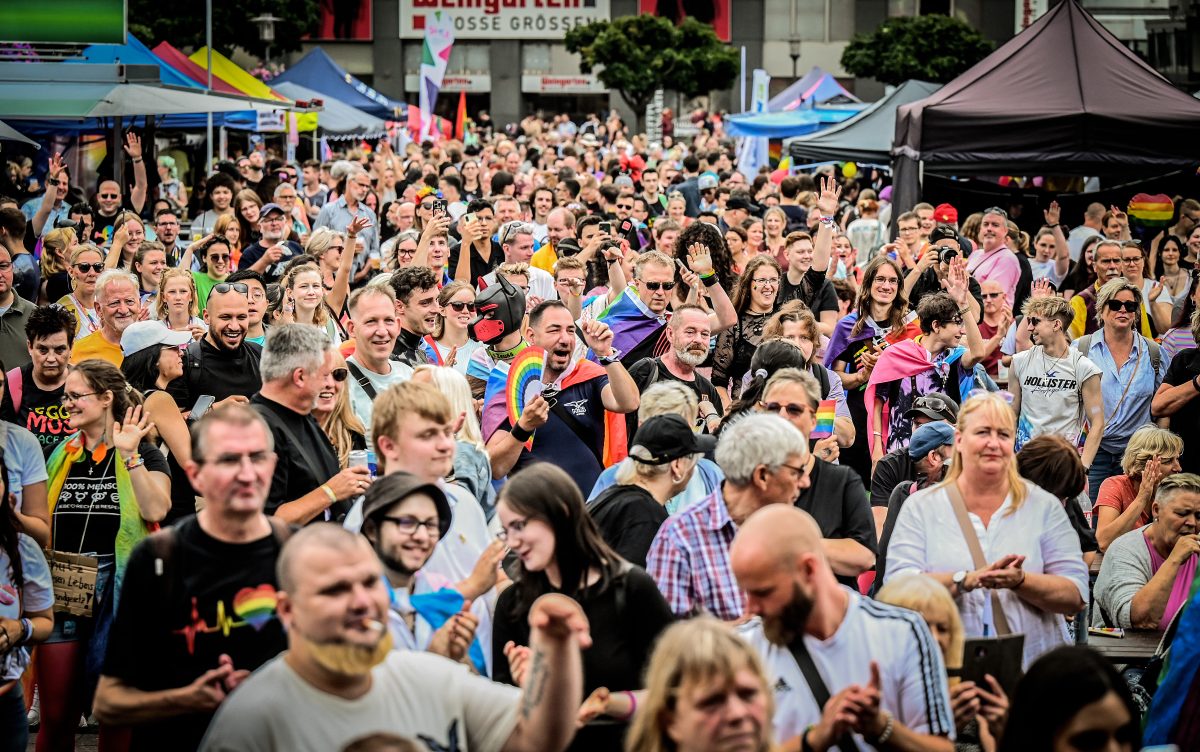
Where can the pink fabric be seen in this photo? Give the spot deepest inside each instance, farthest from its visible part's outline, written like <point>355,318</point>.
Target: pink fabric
<point>899,361</point>
<point>999,265</point>
<point>1183,582</point>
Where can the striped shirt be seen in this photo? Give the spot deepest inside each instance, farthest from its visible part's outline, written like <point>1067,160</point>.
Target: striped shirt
<point>689,560</point>
<point>914,687</point>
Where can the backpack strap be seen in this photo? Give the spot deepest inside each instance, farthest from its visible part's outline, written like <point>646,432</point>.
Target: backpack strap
<point>362,379</point>
<point>192,360</point>
<point>15,380</point>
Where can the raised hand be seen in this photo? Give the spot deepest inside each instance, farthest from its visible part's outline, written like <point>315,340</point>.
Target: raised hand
<point>957,281</point>
<point>699,259</point>
<point>831,193</point>
<point>56,165</point>
<point>1042,289</point>
<point>1052,214</point>
<point>128,434</point>
<point>357,225</point>
<point>557,617</point>
<point>133,145</point>
<point>597,336</point>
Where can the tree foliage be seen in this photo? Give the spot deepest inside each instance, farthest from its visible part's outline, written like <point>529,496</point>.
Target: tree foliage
<point>635,55</point>
<point>181,22</point>
<point>932,48</point>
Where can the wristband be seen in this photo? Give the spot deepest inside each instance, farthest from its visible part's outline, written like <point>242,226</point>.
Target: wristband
<point>1195,383</point>
<point>827,221</point>
<point>520,434</point>
<point>136,460</point>
<point>710,280</point>
<point>805,746</point>
<point>632,705</point>
<point>26,630</point>
<point>329,492</point>
<point>137,160</point>
<point>888,728</point>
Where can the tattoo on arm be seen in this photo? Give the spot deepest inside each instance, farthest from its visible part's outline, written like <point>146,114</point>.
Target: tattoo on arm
<point>535,684</point>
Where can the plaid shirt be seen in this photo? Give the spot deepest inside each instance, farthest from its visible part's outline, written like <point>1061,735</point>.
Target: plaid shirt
<point>689,559</point>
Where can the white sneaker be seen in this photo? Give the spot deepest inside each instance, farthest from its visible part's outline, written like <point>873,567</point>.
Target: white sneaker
<point>35,710</point>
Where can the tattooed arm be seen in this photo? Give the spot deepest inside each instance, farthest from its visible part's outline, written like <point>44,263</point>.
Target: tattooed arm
<point>553,688</point>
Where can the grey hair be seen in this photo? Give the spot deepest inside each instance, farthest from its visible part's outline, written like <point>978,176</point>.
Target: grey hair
<point>110,276</point>
<point>279,189</point>
<point>320,240</point>
<point>344,168</point>
<point>1175,484</point>
<point>1112,289</point>
<point>410,234</point>
<point>510,231</point>
<point>668,398</point>
<point>292,346</point>
<point>757,440</point>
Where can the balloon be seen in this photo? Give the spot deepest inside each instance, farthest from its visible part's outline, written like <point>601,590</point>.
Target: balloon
<point>849,170</point>
<point>778,176</point>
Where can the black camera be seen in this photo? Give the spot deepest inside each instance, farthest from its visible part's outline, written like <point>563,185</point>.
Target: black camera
<point>945,253</point>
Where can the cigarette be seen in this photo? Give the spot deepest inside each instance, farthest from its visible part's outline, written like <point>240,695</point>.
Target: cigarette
<point>374,624</point>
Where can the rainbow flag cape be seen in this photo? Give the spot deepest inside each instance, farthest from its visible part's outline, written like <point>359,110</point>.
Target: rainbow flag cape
<point>825,416</point>
<point>1151,210</point>
<point>1166,722</point>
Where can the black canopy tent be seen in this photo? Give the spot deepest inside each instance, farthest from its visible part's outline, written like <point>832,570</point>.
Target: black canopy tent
<point>1063,97</point>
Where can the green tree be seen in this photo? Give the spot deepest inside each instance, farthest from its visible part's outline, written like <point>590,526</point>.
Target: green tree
<point>932,48</point>
<point>181,22</point>
<point>636,55</point>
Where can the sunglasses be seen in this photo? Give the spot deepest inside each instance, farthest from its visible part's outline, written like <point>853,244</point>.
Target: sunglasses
<point>219,257</point>
<point>656,286</point>
<point>340,374</point>
<point>460,306</point>
<point>793,410</point>
<point>996,210</point>
<point>1033,320</point>
<point>225,287</point>
<point>933,403</point>
<point>990,295</point>
<point>108,195</point>
<point>1129,306</point>
<point>85,268</point>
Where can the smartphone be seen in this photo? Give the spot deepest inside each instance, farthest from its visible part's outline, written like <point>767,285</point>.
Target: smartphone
<point>470,217</point>
<point>203,404</point>
<point>605,227</point>
<point>439,206</point>
<point>999,656</point>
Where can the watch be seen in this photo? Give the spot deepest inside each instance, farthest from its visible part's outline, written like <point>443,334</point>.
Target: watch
<point>959,579</point>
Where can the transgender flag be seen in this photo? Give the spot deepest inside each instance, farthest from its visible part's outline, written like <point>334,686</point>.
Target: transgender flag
<point>435,55</point>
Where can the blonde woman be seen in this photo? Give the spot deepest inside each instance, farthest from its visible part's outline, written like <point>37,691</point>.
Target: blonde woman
<point>128,234</point>
<point>304,299</point>
<point>334,252</point>
<point>775,224</point>
<point>56,275</point>
<point>1124,502</point>
<point>177,304</point>
<point>979,713</point>
<point>332,411</point>
<point>705,689</point>
<point>472,468</point>
<point>86,264</point>
<point>1033,566</point>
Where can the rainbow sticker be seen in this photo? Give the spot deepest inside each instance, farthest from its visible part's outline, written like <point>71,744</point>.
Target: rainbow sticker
<point>255,606</point>
<point>1151,210</point>
<point>825,416</point>
<point>524,383</point>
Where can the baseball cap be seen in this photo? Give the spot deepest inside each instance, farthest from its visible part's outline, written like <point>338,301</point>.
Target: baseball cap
<point>934,405</point>
<point>389,489</point>
<point>668,437</point>
<point>946,213</point>
<point>268,208</point>
<point>142,334</point>
<point>567,247</point>
<point>740,202</point>
<point>706,182</point>
<point>929,437</point>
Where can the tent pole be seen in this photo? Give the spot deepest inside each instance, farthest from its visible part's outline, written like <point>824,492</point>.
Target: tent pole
<point>208,45</point>
<point>118,154</point>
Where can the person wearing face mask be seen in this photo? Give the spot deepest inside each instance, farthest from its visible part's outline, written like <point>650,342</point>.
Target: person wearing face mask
<point>501,313</point>
<point>119,305</point>
<point>659,466</point>
<point>198,568</point>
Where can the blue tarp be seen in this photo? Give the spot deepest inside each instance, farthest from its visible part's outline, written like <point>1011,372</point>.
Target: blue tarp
<point>787,124</point>
<point>318,72</point>
<point>135,53</point>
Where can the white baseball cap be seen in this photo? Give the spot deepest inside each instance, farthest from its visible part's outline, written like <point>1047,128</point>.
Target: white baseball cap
<point>142,334</point>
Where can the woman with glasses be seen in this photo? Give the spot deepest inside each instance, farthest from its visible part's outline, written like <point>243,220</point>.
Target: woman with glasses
<point>450,344</point>
<point>1131,367</point>
<point>334,252</point>
<point>754,299</point>
<point>86,264</point>
<point>1033,575</point>
<point>247,206</point>
<point>400,251</point>
<point>1159,301</point>
<point>107,485</point>
<point>304,301</point>
<point>176,304</point>
<point>333,412</point>
<point>55,267</point>
<point>559,549</point>
<point>229,227</point>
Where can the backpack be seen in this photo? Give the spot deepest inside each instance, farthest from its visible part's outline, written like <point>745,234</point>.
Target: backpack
<point>1084,343</point>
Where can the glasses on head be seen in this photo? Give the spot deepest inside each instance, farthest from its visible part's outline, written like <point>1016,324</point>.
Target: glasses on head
<point>459,306</point>
<point>793,410</point>
<point>656,286</point>
<point>1128,306</point>
<point>512,229</point>
<point>996,210</point>
<point>513,528</point>
<point>340,374</point>
<point>225,287</point>
<point>766,281</point>
<point>85,268</point>
<point>73,397</point>
<point>409,524</point>
<point>937,404</point>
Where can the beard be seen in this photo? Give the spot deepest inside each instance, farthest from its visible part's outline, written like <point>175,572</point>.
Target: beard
<point>786,628</point>
<point>691,356</point>
<point>349,659</point>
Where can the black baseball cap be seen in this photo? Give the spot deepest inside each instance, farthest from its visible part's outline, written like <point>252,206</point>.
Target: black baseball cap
<point>935,406</point>
<point>386,491</point>
<point>668,437</point>
<point>740,202</point>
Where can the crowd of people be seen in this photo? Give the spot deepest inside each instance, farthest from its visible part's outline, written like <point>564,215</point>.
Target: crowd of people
<point>561,439</point>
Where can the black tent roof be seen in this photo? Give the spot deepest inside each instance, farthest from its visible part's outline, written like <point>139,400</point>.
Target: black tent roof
<point>1063,95</point>
<point>866,137</point>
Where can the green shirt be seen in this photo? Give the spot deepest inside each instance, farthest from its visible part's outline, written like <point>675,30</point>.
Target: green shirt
<point>204,286</point>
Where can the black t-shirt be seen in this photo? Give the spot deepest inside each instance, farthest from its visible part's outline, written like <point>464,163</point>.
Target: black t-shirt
<point>893,468</point>
<point>837,500</point>
<point>628,518</point>
<point>40,411</point>
<point>217,598</point>
<point>305,458</point>
<point>815,291</point>
<point>58,286</point>
<point>219,372</point>
<point>87,514</point>
<point>624,626</point>
<point>643,374</point>
<point>1186,421</point>
<point>797,217</point>
<point>479,267</point>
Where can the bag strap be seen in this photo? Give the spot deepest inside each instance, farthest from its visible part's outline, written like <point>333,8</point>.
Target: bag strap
<point>362,379</point>
<point>968,531</point>
<point>577,429</point>
<point>820,692</point>
<point>15,380</point>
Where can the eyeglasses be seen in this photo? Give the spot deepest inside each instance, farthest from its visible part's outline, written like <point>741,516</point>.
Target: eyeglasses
<point>909,229</point>
<point>656,286</point>
<point>71,397</point>
<point>766,281</point>
<point>793,410</point>
<point>85,268</point>
<point>799,471</point>
<point>218,257</point>
<point>340,374</point>
<point>513,528</point>
<point>409,524</point>
<point>461,306</point>
<point>225,287</point>
<point>1129,306</point>
<point>956,320</point>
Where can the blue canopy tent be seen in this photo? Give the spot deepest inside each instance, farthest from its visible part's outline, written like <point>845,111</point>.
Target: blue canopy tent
<point>318,72</point>
<point>787,124</point>
<point>337,119</point>
<point>813,88</point>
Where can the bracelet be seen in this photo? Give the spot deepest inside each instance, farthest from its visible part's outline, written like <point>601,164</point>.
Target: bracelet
<point>137,160</point>
<point>632,705</point>
<point>135,461</point>
<point>826,221</point>
<point>888,728</point>
<point>1022,582</point>
<point>329,492</point>
<point>1195,383</point>
<point>805,745</point>
<point>710,280</point>
<point>521,435</point>
<point>26,630</point>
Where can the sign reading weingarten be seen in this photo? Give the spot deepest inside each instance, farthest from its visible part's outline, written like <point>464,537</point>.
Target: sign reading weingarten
<point>62,21</point>
<point>502,19</point>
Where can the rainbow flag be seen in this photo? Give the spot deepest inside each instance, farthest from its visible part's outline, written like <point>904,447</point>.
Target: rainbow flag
<point>630,322</point>
<point>524,376</point>
<point>1151,210</point>
<point>825,416</point>
<point>911,330</point>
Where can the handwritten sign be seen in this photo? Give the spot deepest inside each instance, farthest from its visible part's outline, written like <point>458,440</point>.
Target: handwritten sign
<point>74,582</point>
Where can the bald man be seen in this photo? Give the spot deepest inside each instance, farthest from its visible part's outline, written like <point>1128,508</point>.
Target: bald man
<point>878,665</point>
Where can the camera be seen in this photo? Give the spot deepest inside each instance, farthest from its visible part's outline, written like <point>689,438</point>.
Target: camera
<point>945,254</point>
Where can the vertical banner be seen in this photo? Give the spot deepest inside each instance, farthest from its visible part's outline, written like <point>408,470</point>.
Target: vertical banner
<point>753,153</point>
<point>460,117</point>
<point>654,113</point>
<point>435,55</point>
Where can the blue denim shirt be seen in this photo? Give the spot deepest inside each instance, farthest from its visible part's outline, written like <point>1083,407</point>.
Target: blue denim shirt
<point>1124,415</point>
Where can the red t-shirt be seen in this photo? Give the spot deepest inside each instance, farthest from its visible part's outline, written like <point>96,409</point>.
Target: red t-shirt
<point>1118,493</point>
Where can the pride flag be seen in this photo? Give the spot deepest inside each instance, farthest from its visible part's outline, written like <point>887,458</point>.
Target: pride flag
<point>630,322</point>
<point>825,416</point>
<point>1151,210</point>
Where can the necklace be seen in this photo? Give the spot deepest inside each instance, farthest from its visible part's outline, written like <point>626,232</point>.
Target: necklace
<point>1046,366</point>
